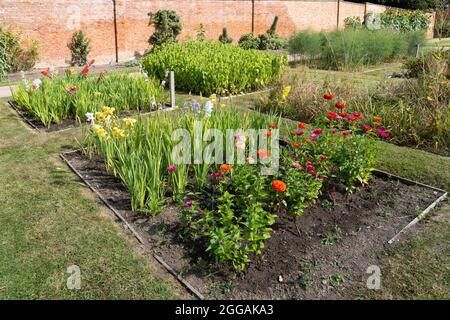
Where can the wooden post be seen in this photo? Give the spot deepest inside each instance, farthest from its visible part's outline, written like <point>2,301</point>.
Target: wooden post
<point>338,13</point>
<point>172,89</point>
<point>253,15</point>
<point>416,50</point>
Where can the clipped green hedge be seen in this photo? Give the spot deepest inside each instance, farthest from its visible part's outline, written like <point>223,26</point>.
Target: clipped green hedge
<point>214,67</point>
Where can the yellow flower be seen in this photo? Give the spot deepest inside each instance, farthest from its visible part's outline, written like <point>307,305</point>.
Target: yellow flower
<point>285,93</point>
<point>71,71</point>
<point>97,94</point>
<point>108,111</point>
<point>99,130</point>
<point>430,98</point>
<point>117,132</point>
<point>100,116</point>
<point>213,97</point>
<point>129,122</point>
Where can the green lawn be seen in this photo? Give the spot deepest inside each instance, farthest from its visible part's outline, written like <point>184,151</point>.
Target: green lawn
<point>50,220</point>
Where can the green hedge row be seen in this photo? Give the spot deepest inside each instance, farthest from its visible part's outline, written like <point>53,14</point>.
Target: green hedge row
<point>214,67</point>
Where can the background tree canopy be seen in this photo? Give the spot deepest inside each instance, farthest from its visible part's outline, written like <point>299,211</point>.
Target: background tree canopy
<point>410,4</point>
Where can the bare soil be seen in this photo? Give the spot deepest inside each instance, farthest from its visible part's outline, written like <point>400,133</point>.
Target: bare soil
<point>321,255</point>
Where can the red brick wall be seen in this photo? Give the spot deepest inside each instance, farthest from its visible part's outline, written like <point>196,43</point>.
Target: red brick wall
<point>52,22</point>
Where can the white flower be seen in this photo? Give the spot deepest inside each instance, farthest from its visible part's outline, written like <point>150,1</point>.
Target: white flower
<point>90,117</point>
<point>37,83</point>
<point>26,84</point>
<point>208,108</point>
<point>163,83</point>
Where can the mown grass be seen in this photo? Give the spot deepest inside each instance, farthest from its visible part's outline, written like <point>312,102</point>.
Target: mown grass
<point>49,221</point>
<point>419,268</point>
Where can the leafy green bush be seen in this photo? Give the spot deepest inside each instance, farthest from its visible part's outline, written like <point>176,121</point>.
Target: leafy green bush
<point>353,22</point>
<point>249,41</point>
<point>167,27</point>
<point>21,53</point>
<point>3,65</point>
<point>79,48</point>
<point>52,99</point>
<point>224,37</point>
<point>212,67</point>
<point>240,222</point>
<point>405,21</point>
<point>270,40</point>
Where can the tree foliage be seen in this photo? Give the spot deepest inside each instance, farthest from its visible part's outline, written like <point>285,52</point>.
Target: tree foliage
<point>167,27</point>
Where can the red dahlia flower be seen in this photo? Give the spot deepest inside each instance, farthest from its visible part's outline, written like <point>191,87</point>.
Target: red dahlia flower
<point>279,186</point>
<point>85,71</point>
<point>382,133</point>
<point>272,126</point>
<point>318,131</point>
<point>302,125</point>
<point>339,105</point>
<point>331,115</point>
<point>328,96</point>
<point>357,114</point>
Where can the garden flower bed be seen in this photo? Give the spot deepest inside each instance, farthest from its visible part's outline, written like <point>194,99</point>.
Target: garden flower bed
<point>55,102</point>
<point>309,229</point>
<point>333,240</point>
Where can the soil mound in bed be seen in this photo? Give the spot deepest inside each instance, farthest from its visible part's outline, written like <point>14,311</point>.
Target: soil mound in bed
<point>316,256</point>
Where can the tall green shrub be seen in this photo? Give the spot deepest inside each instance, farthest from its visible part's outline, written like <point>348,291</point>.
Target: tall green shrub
<point>201,33</point>
<point>271,40</point>
<point>80,47</point>
<point>224,37</point>
<point>353,49</point>
<point>306,42</point>
<point>167,27</point>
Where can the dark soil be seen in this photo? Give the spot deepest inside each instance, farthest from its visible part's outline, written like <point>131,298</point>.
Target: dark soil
<point>320,255</point>
<point>38,125</point>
